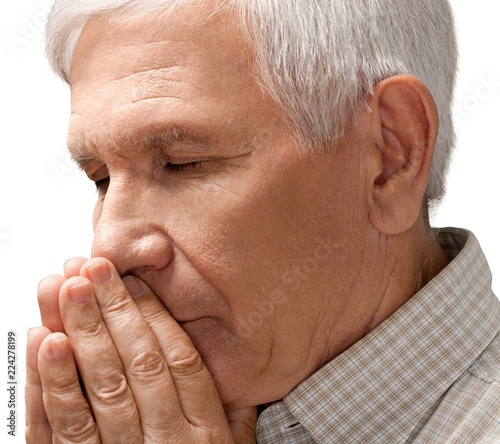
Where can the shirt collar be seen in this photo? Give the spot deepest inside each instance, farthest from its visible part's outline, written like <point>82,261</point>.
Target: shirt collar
<point>385,382</point>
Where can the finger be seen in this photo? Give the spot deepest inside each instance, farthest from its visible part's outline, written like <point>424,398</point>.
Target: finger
<point>67,410</point>
<point>145,366</point>
<point>195,387</point>
<point>99,364</point>
<point>72,266</point>
<point>48,294</point>
<point>37,425</point>
<point>48,301</point>
<point>243,424</point>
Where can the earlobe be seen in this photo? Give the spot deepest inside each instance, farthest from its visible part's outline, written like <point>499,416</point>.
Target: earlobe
<point>405,127</point>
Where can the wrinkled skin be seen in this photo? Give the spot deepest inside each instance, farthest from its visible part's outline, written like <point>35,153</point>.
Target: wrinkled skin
<point>257,262</point>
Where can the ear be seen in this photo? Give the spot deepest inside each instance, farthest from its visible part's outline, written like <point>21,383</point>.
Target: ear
<point>404,127</point>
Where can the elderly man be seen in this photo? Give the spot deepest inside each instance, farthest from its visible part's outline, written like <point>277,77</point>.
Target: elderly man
<point>263,267</point>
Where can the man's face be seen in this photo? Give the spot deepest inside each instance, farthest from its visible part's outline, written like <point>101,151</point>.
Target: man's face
<point>252,246</point>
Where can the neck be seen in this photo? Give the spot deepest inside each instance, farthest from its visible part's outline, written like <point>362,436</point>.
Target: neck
<point>394,269</point>
<point>418,259</point>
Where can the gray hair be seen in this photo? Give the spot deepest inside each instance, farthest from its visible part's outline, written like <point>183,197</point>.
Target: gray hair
<point>318,59</point>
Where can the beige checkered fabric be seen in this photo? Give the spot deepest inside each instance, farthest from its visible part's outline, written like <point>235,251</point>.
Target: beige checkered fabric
<point>428,374</point>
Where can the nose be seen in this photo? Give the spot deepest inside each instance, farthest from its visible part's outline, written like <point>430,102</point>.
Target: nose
<point>128,230</point>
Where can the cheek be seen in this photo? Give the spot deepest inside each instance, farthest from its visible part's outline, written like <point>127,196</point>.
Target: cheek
<point>243,247</point>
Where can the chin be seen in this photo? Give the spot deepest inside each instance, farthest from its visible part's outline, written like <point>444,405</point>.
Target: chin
<point>234,368</point>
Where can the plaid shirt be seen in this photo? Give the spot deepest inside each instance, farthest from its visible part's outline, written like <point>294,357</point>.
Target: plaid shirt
<point>428,374</point>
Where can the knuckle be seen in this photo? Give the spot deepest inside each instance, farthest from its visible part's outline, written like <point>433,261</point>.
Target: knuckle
<point>114,304</point>
<point>35,422</point>
<point>111,389</point>
<point>91,329</point>
<point>147,365</point>
<point>64,386</point>
<point>81,427</point>
<point>185,359</point>
<point>153,317</point>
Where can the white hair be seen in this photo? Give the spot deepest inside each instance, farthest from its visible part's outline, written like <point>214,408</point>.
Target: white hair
<point>318,59</point>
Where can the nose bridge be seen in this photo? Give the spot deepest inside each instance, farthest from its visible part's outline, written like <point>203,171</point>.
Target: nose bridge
<point>127,230</point>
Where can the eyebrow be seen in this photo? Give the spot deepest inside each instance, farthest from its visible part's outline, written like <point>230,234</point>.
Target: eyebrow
<point>171,137</point>
<point>83,161</point>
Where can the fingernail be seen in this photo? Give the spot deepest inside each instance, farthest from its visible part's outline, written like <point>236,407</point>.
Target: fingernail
<point>133,286</point>
<point>100,273</point>
<point>58,348</point>
<point>80,293</point>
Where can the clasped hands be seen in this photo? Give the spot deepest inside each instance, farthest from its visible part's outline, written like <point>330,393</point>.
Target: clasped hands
<point>107,367</point>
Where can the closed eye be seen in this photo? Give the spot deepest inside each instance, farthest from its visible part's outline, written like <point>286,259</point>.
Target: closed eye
<point>102,185</point>
<point>175,168</point>
<point>189,167</point>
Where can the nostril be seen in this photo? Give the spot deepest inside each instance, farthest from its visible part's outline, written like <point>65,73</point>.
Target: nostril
<point>134,247</point>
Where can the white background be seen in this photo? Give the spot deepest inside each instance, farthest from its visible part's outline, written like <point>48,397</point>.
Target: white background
<point>46,204</point>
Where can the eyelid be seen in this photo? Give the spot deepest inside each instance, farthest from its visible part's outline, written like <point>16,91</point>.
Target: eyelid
<point>187,159</point>
<point>100,174</point>
<point>194,165</point>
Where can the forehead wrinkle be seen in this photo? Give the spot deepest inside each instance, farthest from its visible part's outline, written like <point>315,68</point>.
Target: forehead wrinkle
<point>137,80</point>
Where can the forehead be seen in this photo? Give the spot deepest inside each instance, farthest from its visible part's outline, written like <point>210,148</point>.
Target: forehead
<point>140,72</point>
<point>193,30</point>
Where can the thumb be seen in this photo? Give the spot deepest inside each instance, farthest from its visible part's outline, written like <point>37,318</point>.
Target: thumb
<point>243,423</point>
